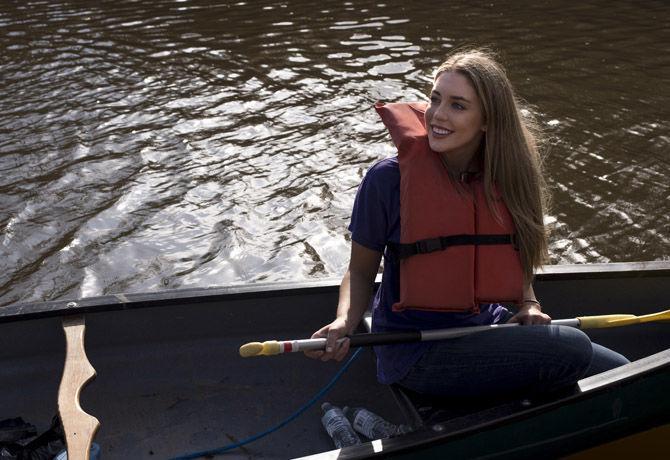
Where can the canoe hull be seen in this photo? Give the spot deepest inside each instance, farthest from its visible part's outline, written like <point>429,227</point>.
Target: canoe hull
<point>170,379</point>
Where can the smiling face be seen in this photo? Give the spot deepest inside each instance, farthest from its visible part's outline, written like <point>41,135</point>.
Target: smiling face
<point>454,120</point>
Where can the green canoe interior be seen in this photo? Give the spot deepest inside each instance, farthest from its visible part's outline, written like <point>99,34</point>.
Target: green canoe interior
<point>170,380</point>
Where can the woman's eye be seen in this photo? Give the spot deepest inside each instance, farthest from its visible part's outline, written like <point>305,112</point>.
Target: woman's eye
<point>458,106</point>
<point>435,99</point>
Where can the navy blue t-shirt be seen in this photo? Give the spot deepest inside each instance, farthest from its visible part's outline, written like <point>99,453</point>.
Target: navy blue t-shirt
<point>375,221</point>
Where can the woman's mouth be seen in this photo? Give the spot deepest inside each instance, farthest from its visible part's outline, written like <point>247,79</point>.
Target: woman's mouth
<point>437,131</point>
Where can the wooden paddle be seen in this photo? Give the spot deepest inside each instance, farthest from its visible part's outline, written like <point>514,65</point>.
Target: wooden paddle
<point>274,347</point>
<point>79,427</point>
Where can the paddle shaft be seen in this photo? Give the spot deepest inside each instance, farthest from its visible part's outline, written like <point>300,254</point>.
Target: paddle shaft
<point>274,347</point>
<point>387,338</point>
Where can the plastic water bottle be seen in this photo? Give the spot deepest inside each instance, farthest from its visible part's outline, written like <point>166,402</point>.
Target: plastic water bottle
<point>94,453</point>
<point>338,427</point>
<point>371,425</point>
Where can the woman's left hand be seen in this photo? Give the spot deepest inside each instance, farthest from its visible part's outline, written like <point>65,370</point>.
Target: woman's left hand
<point>528,314</point>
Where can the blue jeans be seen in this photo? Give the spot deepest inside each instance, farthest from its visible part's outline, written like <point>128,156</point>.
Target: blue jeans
<point>518,360</point>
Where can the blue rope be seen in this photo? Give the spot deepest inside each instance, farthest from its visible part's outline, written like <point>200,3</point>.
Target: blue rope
<point>288,420</point>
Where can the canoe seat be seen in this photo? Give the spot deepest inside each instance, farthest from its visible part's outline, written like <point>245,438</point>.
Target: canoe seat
<point>456,413</point>
<point>425,410</point>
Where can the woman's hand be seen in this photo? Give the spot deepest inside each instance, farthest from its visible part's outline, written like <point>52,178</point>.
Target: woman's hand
<point>335,349</point>
<point>530,313</point>
<point>355,293</point>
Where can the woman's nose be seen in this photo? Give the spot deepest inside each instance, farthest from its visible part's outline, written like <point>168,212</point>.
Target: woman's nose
<point>441,113</point>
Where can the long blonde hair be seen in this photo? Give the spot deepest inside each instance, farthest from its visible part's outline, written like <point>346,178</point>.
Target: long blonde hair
<point>510,152</point>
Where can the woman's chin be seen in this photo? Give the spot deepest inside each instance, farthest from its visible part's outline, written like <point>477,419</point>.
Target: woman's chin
<point>436,146</point>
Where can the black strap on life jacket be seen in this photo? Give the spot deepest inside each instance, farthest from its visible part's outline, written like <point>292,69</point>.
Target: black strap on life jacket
<point>404,250</point>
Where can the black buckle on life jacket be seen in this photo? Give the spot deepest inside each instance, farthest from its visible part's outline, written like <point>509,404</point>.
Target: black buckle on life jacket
<point>426,246</point>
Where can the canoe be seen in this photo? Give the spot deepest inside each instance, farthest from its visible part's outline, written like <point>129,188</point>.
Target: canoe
<point>170,380</point>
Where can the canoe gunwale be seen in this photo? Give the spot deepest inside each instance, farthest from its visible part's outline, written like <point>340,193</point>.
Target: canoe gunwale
<point>633,370</point>
<point>604,270</point>
<point>116,302</point>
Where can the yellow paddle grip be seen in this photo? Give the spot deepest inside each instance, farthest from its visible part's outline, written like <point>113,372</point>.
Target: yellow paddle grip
<point>257,349</point>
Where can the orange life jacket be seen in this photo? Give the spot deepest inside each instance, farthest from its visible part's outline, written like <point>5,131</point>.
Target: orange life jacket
<point>453,252</point>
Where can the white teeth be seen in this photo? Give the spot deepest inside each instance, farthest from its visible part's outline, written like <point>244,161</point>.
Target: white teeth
<point>441,131</point>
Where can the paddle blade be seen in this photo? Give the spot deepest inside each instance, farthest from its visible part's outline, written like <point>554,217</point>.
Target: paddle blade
<point>650,318</point>
<point>603,321</point>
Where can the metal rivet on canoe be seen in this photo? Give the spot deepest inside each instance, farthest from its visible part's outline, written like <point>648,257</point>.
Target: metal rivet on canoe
<point>71,304</point>
<point>438,427</point>
<point>526,403</point>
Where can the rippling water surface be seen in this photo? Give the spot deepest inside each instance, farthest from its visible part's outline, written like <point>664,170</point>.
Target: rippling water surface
<point>163,144</point>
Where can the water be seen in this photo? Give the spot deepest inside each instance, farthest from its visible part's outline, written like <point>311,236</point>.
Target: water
<point>164,144</point>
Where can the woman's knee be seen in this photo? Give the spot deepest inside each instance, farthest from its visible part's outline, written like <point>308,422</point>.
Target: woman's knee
<point>575,350</point>
<point>558,343</point>
<point>525,357</point>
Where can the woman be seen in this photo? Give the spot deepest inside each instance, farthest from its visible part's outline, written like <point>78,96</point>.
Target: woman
<point>458,219</point>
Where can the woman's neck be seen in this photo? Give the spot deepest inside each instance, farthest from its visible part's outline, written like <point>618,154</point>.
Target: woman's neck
<point>459,167</point>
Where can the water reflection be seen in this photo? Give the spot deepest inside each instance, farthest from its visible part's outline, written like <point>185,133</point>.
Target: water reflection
<point>147,145</point>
